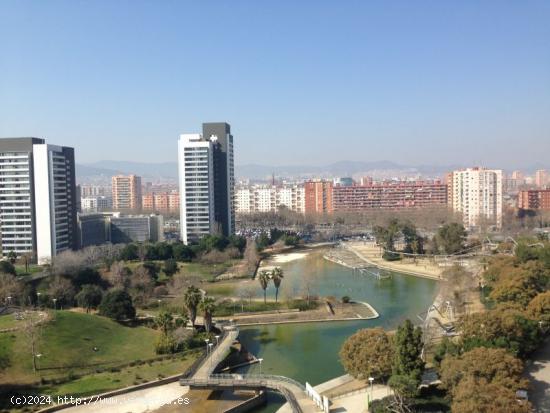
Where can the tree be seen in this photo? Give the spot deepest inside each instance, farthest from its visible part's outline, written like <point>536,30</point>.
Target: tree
<point>152,268</point>
<point>408,351</point>
<point>89,297</point>
<point>6,267</point>
<point>170,267</point>
<point>519,284</point>
<point>207,306</point>
<point>119,276</point>
<point>129,252</point>
<point>480,396</point>
<point>251,256</point>
<point>451,237</point>
<point>191,300</point>
<point>62,290</point>
<point>490,364</point>
<point>182,252</point>
<point>368,353</point>
<point>12,288</point>
<point>164,321</point>
<point>117,304</point>
<point>277,277</point>
<point>32,334</point>
<point>87,276</point>
<point>142,285</point>
<point>263,278</point>
<point>501,327</point>
<point>12,257</point>
<point>539,308</point>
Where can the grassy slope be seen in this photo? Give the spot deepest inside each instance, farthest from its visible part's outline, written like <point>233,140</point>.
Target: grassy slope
<point>67,345</point>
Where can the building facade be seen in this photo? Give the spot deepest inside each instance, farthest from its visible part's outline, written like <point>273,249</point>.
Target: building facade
<point>136,228</point>
<point>389,195</point>
<point>164,202</point>
<point>38,203</point>
<point>96,203</point>
<point>542,178</point>
<point>206,180</point>
<point>126,192</point>
<point>269,198</point>
<point>534,199</point>
<point>477,194</point>
<point>318,197</point>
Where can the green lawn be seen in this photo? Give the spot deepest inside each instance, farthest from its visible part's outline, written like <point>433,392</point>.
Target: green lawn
<point>67,345</point>
<point>20,269</point>
<point>128,376</point>
<point>9,321</point>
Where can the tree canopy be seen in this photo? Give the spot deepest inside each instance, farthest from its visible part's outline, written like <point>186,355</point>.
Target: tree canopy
<point>368,353</point>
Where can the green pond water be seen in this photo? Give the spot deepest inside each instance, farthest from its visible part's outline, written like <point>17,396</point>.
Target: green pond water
<point>309,351</point>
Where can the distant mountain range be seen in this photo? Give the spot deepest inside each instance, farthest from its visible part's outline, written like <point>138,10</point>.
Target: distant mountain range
<point>169,170</point>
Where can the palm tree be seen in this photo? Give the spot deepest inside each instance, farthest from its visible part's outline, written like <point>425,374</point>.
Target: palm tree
<point>277,277</point>
<point>164,321</point>
<point>191,300</point>
<point>263,277</point>
<point>207,306</point>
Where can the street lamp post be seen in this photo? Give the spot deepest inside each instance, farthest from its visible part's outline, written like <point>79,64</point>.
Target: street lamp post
<point>38,299</point>
<point>206,340</point>
<point>210,345</point>
<point>371,380</point>
<point>217,340</point>
<point>260,361</point>
<point>55,303</point>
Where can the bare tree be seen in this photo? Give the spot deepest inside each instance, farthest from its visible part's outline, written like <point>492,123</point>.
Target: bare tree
<point>32,333</point>
<point>62,290</point>
<point>309,284</point>
<point>247,292</point>
<point>142,285</point>
<point>251,256</point>
<point>11,290</point>
<point>119,276</point>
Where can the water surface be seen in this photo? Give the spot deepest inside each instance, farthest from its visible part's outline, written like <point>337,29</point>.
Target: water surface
<point>309,352</point>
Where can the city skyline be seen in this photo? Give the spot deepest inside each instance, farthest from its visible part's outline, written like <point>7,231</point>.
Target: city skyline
<point>433,80</point>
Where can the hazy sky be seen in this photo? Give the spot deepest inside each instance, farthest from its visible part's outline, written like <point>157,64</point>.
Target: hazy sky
<point>312,82</point>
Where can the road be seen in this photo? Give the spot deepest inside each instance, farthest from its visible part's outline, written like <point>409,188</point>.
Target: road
<point>539,375</point>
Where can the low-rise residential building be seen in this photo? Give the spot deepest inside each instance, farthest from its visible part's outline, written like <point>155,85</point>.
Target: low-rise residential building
<point>269,198</point>
<point>534,199</point>
<point>389,195</point>
<point>164,202</point>
<point>96,203</point>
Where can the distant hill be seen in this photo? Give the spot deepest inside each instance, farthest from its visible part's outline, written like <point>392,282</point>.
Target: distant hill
<point>169,170</point>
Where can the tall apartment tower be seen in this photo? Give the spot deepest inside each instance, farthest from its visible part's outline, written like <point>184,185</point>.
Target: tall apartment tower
<point>38,202</point>
<point>541,178</point>
<point>224,175</point>
<point>126,192</point>
<point>206,180</point>
<point>477,194</point>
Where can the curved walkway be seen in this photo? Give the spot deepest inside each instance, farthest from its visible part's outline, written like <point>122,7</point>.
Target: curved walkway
<point>294,392</point>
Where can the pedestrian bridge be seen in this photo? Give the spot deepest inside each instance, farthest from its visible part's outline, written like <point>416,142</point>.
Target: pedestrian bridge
<point>299,399</point>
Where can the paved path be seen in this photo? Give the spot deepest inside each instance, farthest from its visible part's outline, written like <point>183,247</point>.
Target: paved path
<point>539,375</point>
<point>218,353</point>
<point>139,401</point>
<point>357,401</point>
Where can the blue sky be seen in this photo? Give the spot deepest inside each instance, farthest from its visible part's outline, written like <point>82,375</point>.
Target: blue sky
<point>301,82</point>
